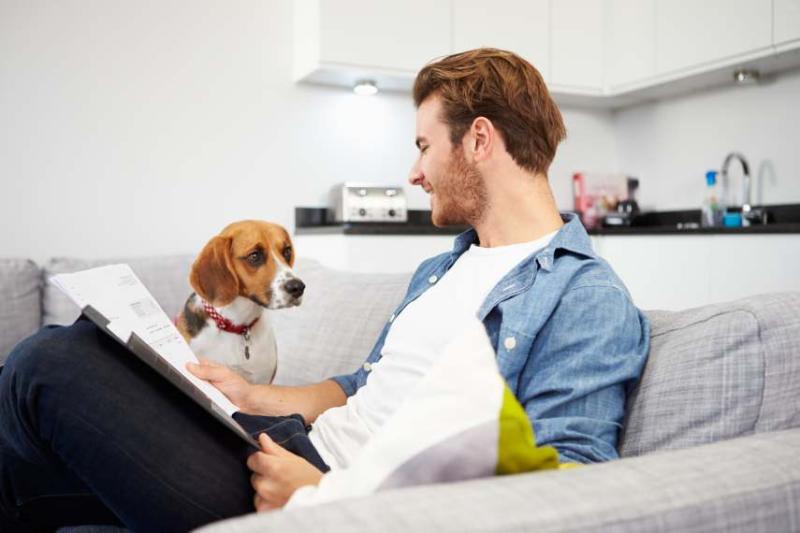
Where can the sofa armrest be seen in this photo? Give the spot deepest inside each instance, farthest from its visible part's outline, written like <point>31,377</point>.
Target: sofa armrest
<point>746,484</point>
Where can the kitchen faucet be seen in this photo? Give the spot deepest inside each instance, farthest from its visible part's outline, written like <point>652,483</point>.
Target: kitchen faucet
<point>749,215</point>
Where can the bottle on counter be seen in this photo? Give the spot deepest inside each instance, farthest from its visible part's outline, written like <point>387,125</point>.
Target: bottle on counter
<point>582,201</point>
<point>711,210</point>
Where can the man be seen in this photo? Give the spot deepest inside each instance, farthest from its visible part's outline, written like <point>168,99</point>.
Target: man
<point>89,434</point>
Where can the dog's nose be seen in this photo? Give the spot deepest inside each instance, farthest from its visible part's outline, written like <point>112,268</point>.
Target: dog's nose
<point>295,287</point>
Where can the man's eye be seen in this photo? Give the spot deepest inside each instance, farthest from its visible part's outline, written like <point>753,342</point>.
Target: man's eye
<point>423,149</point>
<point>255,258</point>
<point>287,253</point>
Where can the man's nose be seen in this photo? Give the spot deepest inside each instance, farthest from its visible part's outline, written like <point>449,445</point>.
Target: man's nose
<point>416,176</point>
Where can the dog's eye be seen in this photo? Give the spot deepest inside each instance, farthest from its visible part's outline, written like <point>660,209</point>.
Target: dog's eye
<point>255,258</point>
<point>287,253</point>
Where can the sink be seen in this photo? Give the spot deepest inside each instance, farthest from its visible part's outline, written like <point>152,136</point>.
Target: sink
<point>783,214</point>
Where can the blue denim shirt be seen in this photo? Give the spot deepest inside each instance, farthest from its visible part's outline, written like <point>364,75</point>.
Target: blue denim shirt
<point>580,343</point>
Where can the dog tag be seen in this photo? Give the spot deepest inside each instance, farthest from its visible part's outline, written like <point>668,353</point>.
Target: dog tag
<point>247,344</point>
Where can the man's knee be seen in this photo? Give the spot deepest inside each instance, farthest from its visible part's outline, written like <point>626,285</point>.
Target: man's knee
<point>51,352</point>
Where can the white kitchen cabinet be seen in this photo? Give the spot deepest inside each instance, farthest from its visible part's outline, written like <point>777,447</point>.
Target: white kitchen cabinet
<point>630,42</point>
<point>372,253</point>
<point>339,41</point>
<point>519,25</point>
<point>604,53</point>
<point>670,272</point>
<point>576,45</point>
<point>691,34</point>
<point>682,271</point>
<point>786,21</point>
<point>660,272</point>
<point>745,264</point>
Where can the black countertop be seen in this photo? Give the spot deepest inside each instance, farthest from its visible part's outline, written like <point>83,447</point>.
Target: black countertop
<point>316,221</point>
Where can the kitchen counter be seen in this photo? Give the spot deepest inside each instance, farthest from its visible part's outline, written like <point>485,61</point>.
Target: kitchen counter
<point>682,230</point>
<point>316,221</point>
<point>662,266</point>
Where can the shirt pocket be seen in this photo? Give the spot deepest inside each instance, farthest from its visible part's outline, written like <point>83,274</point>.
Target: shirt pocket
<point>513,349</point>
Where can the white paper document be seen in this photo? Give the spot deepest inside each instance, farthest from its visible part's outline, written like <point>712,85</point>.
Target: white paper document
<point>116,293</point>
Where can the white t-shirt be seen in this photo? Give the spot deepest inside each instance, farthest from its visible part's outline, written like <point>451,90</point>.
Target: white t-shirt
<point>413,343</point>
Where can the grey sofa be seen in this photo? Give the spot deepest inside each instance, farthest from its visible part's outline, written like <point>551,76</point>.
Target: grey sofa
<point>711,441</point>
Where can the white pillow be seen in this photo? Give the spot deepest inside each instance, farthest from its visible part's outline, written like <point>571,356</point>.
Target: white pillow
<point>460,422</point>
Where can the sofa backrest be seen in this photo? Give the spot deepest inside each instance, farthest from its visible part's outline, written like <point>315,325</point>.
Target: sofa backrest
<point>167,278</point>
<point>717,372</point>
<point>713,372</point>
<point>20,293</point>
<point>335,328</point>
<point>330,334</point>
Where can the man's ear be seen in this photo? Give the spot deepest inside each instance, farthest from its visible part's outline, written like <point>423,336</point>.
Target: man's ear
<point>213,276</point>
<point>481,138</point>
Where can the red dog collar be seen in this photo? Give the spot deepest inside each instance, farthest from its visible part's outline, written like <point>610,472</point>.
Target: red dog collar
<point>226,325</point>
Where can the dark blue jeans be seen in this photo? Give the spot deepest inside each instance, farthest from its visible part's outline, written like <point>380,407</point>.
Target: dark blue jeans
<point>89,434</point>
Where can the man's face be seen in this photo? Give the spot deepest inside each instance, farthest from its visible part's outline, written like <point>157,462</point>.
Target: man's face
<point>457,189</point>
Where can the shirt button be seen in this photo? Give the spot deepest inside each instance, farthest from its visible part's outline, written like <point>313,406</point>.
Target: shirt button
<point>510,343</point>
<point>433,279</point>
<point>367,367</point>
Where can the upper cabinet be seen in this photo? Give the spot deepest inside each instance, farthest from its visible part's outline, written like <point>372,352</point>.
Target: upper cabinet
<point>630,42</point>
<point>396,35</point>
<point>690,34</point>
<point>576,40</point>
<point>339,41</point>
<point>607,53</point>
<point>518,25</point>
<point>786,20</point>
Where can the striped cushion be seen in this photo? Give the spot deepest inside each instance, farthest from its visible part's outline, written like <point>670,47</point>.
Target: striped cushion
<point>717,372</point>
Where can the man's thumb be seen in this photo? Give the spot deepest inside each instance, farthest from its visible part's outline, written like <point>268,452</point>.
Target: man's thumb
<point>270,446</point>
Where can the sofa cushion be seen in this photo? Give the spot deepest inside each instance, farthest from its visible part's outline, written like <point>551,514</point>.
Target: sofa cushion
<point>335,328</point>
<point>166,277</point>
<point>709,374</point>
<point>20,314</point>
<point>779,318</point>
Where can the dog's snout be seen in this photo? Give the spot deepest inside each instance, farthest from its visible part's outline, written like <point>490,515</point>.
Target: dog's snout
<point>295,287</point>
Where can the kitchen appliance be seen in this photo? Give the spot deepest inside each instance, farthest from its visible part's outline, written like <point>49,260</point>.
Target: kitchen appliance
<point>626,209</point>
<point>359,202</point>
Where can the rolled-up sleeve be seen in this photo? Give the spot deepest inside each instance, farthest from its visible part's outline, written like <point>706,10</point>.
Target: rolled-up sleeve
<point>350,383</point>
<point>582,365</point>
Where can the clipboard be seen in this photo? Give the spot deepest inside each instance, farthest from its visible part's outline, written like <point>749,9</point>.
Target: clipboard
<point>146,353</point>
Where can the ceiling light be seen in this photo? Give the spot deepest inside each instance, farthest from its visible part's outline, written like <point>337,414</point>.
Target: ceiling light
<point>745,76</point>
<point>365,88</point>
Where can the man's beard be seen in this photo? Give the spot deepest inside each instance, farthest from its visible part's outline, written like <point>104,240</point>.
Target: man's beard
<point>460,195</point>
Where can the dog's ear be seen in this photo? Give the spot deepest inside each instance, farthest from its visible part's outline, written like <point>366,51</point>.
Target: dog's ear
<point>213,276</point>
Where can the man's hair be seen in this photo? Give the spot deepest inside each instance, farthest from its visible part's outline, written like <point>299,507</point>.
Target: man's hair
<point>504,88</point>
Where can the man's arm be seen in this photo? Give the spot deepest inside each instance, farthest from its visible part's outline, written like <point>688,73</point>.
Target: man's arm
<point>273,400</point>
<point>584,361</point>
<point>308,400</point>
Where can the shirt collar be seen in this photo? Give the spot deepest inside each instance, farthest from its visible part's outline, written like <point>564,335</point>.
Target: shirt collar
<point>571,237</point>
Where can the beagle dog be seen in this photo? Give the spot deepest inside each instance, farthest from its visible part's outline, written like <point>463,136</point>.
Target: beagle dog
<point>240,273</point>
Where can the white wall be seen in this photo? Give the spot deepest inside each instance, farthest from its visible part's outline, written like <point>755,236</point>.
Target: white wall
<point>137,128</point>
<point>670,144</point>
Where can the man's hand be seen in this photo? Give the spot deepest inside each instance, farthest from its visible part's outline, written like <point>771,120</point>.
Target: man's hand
<point>277,473</point>
<point>235,387</point>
